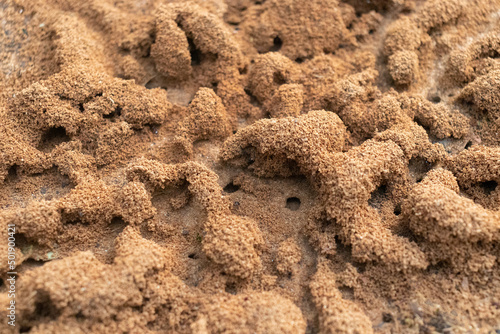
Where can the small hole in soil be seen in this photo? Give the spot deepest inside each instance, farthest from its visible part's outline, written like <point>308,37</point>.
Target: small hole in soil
<point>249,155</point>
<point>327,224</point>
<point>435,99</point>
<point>243,70</point>
<point>344,250</point>
<point>419,167</point>
<point>117,225</point>
<point>153,83</point>
<point>468,145</point>
<point>387,317</point>
<point>32,263</point>
<point>378,196</point>
<point>192,256</point>
<point>53,137</point>
<point>278,78</point>
<point>426,128</point>
<point>277,44</point>
<point>299,60</point>
<point>116,113</point>
<point>397,210</point>
<point>231,188</point>
<point>194,52</point>
<point>1,282</point>
<point>154,128</point>
<point>21,241</point>
<point>72,221</point>
<point>12,173</point>
<point>435,268</point>
<point>405,232</point>
<point>231,288</point>
<point>488,186</point>
<point>371,31</point>
<point>347,292</point>
<point>45,308</point>
<point>360,266</point>
<point>293,203</point>
<point>253,99</point>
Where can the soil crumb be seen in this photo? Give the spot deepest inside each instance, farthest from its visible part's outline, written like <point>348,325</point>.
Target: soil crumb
<point>250,166</point>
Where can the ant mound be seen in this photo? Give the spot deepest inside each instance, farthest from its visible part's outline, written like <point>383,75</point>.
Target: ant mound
<point>248,166</point>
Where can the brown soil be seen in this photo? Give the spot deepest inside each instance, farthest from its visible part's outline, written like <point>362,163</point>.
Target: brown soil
<point>251,166</point>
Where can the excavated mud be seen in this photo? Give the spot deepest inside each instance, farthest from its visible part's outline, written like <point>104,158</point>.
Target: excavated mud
<point>251,166</point>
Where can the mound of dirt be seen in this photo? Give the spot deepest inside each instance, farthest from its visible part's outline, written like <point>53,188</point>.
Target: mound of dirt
<point>249,166</point>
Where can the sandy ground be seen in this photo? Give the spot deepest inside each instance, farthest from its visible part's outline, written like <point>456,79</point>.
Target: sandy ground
<point>250,166</point>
